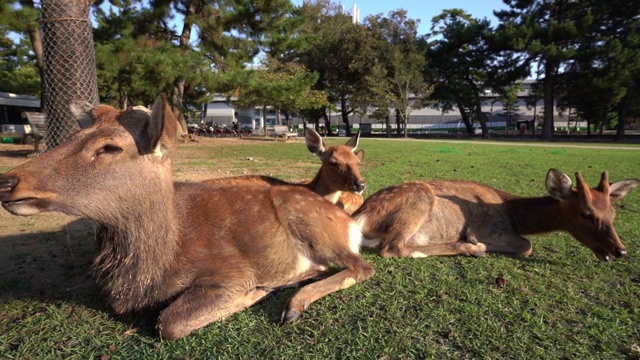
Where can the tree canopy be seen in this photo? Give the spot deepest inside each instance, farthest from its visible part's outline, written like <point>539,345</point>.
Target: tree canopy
<point>312,60</point>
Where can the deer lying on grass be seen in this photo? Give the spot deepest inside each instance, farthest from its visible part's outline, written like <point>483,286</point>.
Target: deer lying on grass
<point>439,217</point>
<point>338,179</point>
<point>184,245</point>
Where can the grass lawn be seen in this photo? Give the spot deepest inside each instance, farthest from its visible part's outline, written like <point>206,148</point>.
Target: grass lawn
<point>561,302</point>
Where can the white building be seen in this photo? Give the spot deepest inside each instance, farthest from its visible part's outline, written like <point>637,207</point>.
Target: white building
<point>221,112</point>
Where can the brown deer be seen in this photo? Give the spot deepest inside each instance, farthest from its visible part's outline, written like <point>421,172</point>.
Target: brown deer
<point>440,217</point>
<point>186,246</point>
<point>338,179</point>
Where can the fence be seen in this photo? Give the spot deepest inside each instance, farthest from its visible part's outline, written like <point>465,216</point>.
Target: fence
<point>70,70</point>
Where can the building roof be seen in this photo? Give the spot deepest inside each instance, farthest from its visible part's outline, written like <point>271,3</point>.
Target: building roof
<point>19,100</point>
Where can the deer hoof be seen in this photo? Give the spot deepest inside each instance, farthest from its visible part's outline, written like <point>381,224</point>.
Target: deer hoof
<point>479,254</point>
<point>289,316</point>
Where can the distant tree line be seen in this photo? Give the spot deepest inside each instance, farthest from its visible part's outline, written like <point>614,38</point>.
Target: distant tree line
<point>314,60</point>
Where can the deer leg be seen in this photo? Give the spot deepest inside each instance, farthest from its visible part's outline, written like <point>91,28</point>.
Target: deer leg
<point>199,306</point>
<point>452,248</point>
<point>309,276</point>
<point>509,243</point>
<point>396,237</point>
<point>356,271</point>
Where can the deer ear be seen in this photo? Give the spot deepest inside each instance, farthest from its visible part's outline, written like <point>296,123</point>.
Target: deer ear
<point>162,128</point>
<point>354,141</point>
<point>558,184</point>
<point>360,155</point>
<point>603,186</point>
<point>314,142</point>
<point>81,111</point>
<point>620,189</point>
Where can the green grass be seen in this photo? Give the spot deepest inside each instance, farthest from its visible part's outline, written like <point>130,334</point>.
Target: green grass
<point>559,303</point>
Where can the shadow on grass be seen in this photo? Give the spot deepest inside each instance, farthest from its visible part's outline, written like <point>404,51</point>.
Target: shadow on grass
<point>531,259</point>
<point>54,267</point>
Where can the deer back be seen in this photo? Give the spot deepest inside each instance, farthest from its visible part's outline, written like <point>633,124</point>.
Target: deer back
<point>448,211</point>
<point>338,179</point>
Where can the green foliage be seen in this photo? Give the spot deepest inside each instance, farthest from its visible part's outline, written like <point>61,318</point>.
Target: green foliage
<point>139,55</point>
<point>458,63</point>
<point>18,71</point>
<point>18,16</point>
<point>398,77</point>
<point>604,74</point>
<point>341,53</point>
<point>544,32</point>
<point>18,67</point>
<point>285,86</point>
<point>136,59</point>
<point>586,53</point>
<point>509,99</point>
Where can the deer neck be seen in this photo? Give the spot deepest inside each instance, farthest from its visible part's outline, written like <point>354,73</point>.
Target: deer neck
<point>136,252</point>
<point>536,215</point>
<point>321,187</point>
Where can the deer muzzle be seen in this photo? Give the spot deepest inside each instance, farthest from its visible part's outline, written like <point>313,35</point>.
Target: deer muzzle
<point>24,205</point>
<point>7,185</point>
<point>359,185</point>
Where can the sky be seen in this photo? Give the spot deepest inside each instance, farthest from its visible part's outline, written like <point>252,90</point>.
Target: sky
<point>423,10</point>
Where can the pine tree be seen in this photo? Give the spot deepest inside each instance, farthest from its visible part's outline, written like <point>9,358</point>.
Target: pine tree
<point>458,62</point>
<point>541,32</point>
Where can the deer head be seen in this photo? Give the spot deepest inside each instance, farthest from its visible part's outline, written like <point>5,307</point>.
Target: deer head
<point>588,213</point>
<point>340,164</point>
<point>128,147</point>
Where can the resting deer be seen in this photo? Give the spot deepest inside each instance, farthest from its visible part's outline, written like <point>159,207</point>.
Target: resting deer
<point>184,245</point>
<point>338,179</point>
<point>440,217</point>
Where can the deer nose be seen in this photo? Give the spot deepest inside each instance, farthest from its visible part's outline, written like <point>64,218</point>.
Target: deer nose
<point>7,184</point>
<point>620,252</point>
<point>360,185</point>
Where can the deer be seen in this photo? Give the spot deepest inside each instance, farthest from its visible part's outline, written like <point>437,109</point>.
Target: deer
<point>456,217</point>
<point>338,179</point>
<point>184,248</point>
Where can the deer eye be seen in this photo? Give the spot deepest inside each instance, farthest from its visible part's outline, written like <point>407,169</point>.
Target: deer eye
<point>109,149</point>
<point>587,216</point>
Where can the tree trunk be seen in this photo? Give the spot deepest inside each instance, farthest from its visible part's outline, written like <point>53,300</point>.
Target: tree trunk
<point>478,108</point>
<point>69,65</point>
<point>345,114</point>
<point>327,122</point>
<point>535,117</point>
<point>398,122</point>
<point>181,83</point>
<point>622,115</point>
<point>264,119</point>
<point>36,44</point>
<point>124,101</point>
<point>405,122</point>
<point>388,124</point>
<point>547,84</point>
<point>465,117</point>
